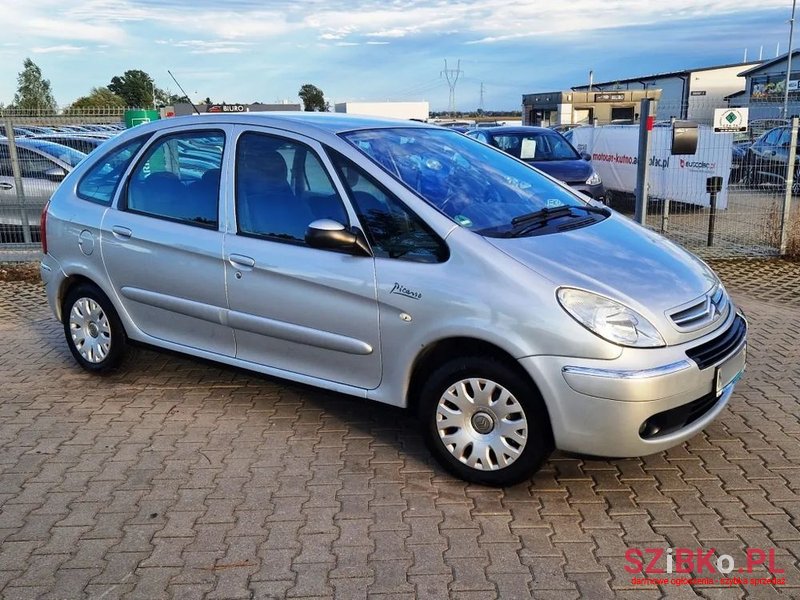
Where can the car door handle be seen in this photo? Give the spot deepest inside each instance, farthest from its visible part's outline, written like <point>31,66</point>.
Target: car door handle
<point>6,186</point>
<point>242,262</point>
<point>121,232</point>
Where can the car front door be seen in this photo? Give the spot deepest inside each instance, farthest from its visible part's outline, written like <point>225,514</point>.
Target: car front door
<point>304,311</point>
<point>162,243</point>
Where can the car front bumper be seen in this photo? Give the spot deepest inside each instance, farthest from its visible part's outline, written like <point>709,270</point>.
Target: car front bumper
<point>643,402</point>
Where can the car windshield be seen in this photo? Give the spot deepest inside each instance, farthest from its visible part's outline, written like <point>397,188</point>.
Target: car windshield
<point>63,153</point>
<point>477,186</point>
<point>535,146</point>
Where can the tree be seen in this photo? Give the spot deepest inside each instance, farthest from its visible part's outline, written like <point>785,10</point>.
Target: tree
<point>174,99</point>
<point>100,97</point>
<point>313,99</point>
<point>136,88</point>
<point>33,91</point>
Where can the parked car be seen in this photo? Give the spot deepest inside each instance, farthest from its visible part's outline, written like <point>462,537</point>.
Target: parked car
<point>548,151</point>
<point>18,131</point>
<point>81,143</point>
<point>397,262</point>
<point>43,165</point>
<point>766,159</point>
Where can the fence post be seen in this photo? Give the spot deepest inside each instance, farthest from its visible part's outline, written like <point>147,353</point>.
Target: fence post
<point>643,166</point>
<point>17,172</point>
<point>786,213</point>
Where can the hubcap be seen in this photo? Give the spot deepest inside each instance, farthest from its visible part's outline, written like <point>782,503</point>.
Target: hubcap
<point>481,424</point>
<point>90,330</point>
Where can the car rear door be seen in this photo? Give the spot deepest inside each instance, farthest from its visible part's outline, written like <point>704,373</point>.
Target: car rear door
<point>302,310</point>
<point>162,242</point>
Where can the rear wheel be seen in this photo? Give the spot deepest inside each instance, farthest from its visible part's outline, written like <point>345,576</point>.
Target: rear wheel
<point>484,422</point>
<point>92,327</point>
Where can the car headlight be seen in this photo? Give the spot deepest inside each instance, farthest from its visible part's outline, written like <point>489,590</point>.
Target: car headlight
<point>609,319</point>
<point>594,179</point>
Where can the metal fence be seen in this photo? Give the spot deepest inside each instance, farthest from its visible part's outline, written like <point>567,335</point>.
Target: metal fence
<point>754,215</point>
<point>32,165</point>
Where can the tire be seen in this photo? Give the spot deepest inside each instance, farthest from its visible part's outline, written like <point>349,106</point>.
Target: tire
<point>94,333</point>
<point>498,433</point>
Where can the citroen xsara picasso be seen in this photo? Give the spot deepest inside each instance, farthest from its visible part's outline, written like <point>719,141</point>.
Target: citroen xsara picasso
<point>398,262</point>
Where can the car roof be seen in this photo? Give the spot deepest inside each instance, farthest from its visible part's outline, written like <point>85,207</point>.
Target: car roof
<point>327,122</point>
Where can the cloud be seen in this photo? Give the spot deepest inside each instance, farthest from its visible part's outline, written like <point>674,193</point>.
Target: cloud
<point>208,46</point>
<point>479,21</point>
<point>62,49</point>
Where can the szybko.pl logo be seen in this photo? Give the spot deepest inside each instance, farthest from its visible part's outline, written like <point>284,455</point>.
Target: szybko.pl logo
<point>704,564</point>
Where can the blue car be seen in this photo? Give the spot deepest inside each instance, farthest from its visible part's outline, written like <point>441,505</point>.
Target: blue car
<point>548,151</point>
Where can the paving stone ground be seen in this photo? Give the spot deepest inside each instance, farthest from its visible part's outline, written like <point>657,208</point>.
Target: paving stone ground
<point>177,478</point>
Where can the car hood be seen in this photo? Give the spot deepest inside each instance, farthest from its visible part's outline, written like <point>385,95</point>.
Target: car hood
<point>564,170</point>
<point>621,260</point>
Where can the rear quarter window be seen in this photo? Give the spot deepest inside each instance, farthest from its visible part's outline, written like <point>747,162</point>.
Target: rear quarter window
<point>100,182</point>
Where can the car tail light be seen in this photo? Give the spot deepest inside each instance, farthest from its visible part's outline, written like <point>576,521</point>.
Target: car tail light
<point>43,227</point>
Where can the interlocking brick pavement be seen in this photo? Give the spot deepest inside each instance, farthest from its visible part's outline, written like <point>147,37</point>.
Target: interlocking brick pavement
<point>177,478</point>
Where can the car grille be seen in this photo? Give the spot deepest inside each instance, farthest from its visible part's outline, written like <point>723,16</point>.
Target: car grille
<point>702,312</point>
<point>672,420</point>
<point>721,346</point>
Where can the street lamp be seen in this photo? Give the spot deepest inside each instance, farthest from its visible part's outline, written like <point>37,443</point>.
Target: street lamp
<point>788,65</point>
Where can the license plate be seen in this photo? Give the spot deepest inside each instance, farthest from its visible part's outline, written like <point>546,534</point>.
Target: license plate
<point>731,370</point>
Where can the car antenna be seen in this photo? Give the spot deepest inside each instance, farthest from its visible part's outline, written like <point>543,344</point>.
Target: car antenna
<point>184,91</point>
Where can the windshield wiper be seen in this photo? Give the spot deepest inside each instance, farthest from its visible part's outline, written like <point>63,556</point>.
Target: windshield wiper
<point>543,215</point>
<point>526,223</point>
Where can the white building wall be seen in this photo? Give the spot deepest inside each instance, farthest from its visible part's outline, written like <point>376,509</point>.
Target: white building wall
<point>396,110</point>
<point>716,83</point>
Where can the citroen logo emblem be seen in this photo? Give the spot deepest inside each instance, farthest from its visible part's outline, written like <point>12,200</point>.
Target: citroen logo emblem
<point>713,311</point>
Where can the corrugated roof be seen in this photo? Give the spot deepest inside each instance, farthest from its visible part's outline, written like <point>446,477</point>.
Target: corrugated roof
<point>664,75</point>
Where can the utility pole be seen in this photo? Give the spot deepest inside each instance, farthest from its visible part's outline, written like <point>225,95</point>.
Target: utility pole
<point>451,75</point>
<point>481,103</point>
<point>788,64</point>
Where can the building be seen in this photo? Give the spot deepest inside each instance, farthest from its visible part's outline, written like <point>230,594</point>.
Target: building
<point>398,110</point>
<point>691,94</point>
<point>569,107</point>
<point>184,108</point>
<point>765,88</point>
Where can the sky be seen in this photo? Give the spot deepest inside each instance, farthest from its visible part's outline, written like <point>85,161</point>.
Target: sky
<point>361,50</point>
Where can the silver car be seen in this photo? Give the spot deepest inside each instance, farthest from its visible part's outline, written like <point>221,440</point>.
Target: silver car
<point>397,262</point>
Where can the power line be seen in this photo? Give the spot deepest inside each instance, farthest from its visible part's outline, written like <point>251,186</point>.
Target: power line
<point>451,75</point>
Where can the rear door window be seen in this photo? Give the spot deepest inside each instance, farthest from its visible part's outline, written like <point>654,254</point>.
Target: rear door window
<point>178,178</point>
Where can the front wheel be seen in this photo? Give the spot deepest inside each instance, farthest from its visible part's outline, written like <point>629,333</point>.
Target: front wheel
<point>92,327</point>
<point>484,422</point>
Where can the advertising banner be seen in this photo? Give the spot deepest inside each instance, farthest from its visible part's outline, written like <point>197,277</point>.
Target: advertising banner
<point>680,178</point>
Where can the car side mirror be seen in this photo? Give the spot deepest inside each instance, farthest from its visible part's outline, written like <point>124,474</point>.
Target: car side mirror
<point>332,235</point>
<point>55,174</point>
<point>586,156</point>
